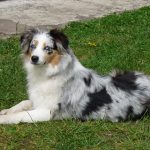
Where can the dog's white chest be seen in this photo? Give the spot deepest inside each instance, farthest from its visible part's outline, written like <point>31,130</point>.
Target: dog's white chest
<point>46,93</point>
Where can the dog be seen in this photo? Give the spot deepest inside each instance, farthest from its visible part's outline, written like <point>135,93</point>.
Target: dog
<point>60,87</point>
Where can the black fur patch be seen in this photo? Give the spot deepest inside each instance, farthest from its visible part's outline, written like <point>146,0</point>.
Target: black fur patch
<point>147,104</point>
<point>54,46</point>
<point>146,112</point>
<point>108,108</point>
<point>59,106</point>
<point>26,39</point>
<point>120,118</point>
<point>3,0</point>
<point>125,81</point>
<point>87,80</point>
<point>133,117</point>
<point>130,112</point>
<point>59,37</point>
<point>97,99</point>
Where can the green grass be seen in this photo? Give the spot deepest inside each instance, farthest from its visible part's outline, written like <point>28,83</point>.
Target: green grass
<point>113,42</point>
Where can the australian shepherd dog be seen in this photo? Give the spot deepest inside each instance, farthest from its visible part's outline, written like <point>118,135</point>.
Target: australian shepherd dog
<point>60,87</point>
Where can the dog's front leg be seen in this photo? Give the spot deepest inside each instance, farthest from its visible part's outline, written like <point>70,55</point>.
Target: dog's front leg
<point>22,106</point>
<point>26,116</point>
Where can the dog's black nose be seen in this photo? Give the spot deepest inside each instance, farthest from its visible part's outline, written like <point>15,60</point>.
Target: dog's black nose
<point>34,59</point>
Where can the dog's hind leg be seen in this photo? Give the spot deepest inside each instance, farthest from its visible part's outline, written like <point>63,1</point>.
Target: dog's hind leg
<point>22,106</point>
<point>31,116</point>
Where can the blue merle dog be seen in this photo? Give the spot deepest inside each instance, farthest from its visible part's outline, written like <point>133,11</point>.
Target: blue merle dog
<point>60,87</point>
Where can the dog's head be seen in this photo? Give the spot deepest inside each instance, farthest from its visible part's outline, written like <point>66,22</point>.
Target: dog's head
<point>41,48</point>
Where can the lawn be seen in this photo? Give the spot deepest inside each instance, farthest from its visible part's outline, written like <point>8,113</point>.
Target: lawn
<point>118,41</point>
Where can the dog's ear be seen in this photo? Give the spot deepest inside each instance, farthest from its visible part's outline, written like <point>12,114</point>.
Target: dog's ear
<point>59,37</point>
<point>26,39</point>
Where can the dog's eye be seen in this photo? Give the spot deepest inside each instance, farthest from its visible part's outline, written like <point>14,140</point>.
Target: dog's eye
<point>48,49</point>
<point>32,46</point>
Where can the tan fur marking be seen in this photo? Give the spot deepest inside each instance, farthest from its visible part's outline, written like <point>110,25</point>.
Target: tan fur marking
<point>53,58</point>
<point>28,54</point>
<point>44,45</point>
<point>36,42</point>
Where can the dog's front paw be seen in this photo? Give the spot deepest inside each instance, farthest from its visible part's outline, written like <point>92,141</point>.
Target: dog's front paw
<point>9,119</point>
<point>7,111</point>
<point>4,119</point>
<point>3,112</point>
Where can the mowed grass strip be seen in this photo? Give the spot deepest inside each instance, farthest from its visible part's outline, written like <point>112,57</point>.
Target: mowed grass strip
<point>118,41</point>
